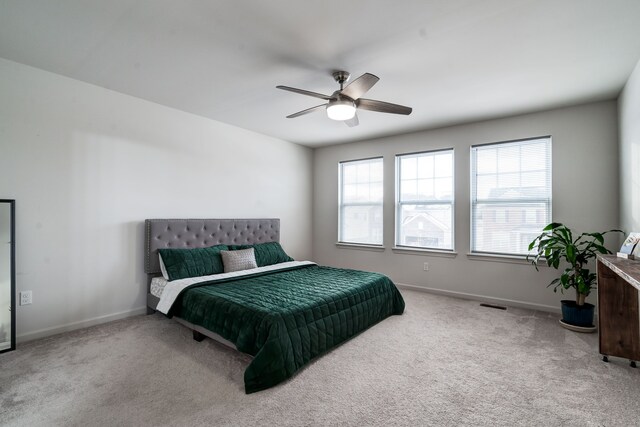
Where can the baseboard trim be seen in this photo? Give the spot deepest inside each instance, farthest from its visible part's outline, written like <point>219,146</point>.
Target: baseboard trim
<point>42,333</point>
<point>474,297</point>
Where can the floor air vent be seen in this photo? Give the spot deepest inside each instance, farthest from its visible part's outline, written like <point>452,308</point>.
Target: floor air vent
<point>498,307</point>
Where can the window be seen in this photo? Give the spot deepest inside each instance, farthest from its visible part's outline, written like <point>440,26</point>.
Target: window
<point>424,200</point>
<point>360,202</point>
<point>510,195</point>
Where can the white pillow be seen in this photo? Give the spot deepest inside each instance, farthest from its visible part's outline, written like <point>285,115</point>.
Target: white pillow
<point>163,268</point>
<point>243,259</point>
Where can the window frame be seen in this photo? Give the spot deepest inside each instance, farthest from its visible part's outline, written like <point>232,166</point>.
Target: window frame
<point>341,204</point>
<point>473,192</point>
<point>398,203</point>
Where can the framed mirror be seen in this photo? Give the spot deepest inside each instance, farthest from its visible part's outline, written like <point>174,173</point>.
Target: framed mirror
<point>7,275</point>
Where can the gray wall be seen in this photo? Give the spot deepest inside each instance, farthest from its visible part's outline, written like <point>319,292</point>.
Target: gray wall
<point>585,196</point>
<point>87,165</point>
<point>629,113</point>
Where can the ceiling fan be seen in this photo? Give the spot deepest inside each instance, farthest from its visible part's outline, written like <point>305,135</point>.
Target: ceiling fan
<point>343,103</point>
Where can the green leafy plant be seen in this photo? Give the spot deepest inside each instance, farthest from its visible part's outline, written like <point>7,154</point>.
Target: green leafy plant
<point>556,243</point>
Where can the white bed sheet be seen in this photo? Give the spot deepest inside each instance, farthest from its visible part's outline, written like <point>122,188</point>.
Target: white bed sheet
<point>173,288</point>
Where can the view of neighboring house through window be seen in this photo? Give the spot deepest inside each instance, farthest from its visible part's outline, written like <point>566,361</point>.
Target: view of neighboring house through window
<point>510,195</point>
<point>424,200</point>
<point>360,202</point>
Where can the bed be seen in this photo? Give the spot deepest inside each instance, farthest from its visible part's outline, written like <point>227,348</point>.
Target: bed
<point>282,313</point>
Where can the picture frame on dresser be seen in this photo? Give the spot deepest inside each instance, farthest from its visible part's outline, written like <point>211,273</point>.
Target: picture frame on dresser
<point>630,249</point>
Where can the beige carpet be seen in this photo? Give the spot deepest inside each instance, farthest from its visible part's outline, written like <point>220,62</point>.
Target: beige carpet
<point>444,362</point>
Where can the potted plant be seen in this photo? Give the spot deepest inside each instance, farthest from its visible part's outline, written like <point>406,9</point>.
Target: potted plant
<point>556,244</point>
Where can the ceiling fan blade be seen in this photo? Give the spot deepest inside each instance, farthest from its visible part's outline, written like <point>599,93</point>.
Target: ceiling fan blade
<point>307,111</point>
<point>382,107</point>
<point>304,92</point>
<point>352,121</point>
<point>360,86</point>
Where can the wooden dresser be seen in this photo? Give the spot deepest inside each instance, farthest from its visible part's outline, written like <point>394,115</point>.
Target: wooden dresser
<point>618,313</point>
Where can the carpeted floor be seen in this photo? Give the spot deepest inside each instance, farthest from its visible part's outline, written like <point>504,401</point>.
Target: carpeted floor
<point>444,362</point>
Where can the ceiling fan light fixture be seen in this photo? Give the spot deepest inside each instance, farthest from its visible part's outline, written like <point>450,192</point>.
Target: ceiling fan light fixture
<point>342,103</point>
<point>341,110</point>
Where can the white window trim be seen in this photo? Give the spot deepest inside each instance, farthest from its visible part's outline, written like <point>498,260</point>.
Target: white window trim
<point>398,205</point>
<point>510,259</point>
<point>361,246</point>
<point>413,250</point>
<point>504,256</point>
<point>341,205</point>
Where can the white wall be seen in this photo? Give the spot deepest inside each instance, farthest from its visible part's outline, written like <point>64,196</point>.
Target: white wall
<point>629,114</point>
<point>87,165</point>
<point>585,197</point>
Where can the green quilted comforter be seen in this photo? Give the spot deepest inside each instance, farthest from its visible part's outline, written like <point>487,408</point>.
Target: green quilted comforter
<point>286,318</point>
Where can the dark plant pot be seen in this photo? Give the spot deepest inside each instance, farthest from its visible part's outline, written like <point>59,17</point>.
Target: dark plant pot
<point>577,315</point>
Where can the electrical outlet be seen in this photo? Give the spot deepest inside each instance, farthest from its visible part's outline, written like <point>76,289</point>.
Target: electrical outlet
<point>26,297</point>
<point>426,266</point>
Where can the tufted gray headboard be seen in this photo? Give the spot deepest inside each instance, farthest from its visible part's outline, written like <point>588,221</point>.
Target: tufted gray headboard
<point>199,233</point>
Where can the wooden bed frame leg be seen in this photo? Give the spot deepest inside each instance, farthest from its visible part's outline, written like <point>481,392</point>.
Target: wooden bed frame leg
<point>198,336</point>
<point>150,310</point>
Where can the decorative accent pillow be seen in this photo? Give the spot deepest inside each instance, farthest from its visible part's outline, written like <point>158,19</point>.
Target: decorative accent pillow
<point>243,259</point>
<point>183,263</point>
<point>266,253</point>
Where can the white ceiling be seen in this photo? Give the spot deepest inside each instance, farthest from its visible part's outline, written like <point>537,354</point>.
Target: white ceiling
<point>453,61</point>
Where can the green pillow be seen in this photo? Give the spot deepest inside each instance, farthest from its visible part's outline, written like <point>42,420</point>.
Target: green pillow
<point>183,263</point>
<point>266,253</point>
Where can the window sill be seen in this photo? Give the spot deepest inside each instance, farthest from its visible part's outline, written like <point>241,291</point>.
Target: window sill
<point>511,259</point>
<point>362,247</point>
<point>424,252</point>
